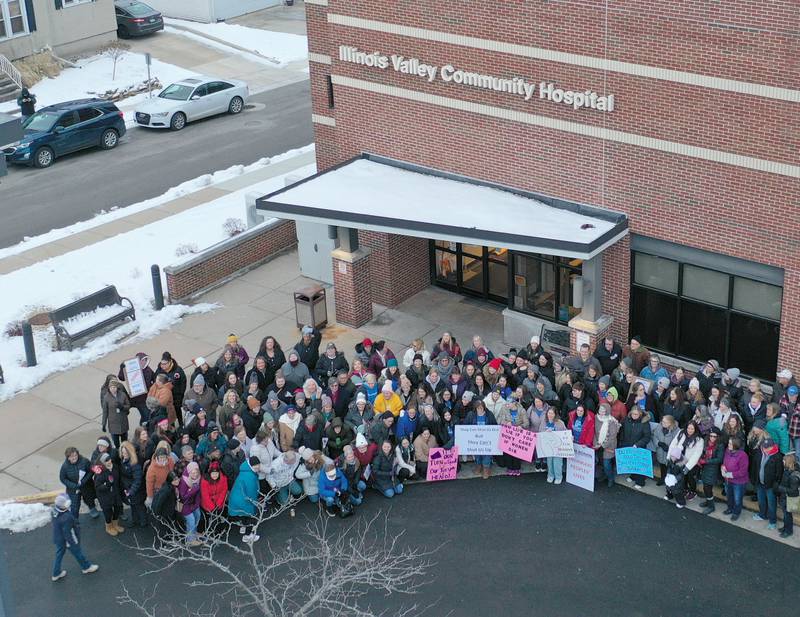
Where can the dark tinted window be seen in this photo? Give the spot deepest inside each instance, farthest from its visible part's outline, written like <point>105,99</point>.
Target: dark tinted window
<point>654,317</point>
<point>703,329</point>
<point>754,345</point>
<point>200,91</point>
<point>88,114</point>
<point>140,9</point>
<point>218,86</point>
<point>68,119</point>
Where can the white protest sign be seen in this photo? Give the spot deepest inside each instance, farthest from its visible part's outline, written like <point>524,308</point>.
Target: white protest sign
<point>554,443</point>
<point>135,377</point>
<point>580,468</point>
<point>478,440</point>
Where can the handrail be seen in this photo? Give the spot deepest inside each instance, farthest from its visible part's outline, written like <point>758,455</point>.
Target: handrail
<point>9,69</point>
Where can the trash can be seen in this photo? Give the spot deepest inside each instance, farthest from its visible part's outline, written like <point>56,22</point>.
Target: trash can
<point>310,308</point>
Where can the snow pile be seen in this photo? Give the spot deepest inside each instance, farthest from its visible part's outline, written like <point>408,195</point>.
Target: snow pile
<point>81,322</point>
<point>93,75</point>
<point>124,261</point>
<point>185,188</point>
<point>278,47</point>
<point>22,517</point>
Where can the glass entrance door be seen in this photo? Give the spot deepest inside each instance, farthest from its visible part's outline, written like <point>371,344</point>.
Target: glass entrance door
<point>471,269</point>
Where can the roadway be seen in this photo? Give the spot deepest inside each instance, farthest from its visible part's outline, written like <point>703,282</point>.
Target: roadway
<point>148,162</point>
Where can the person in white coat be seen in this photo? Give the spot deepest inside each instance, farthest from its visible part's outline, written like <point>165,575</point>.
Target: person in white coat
<point>683,455</point>
<point>417,347</point>
<point>266,448</point>
<point>494,401</point>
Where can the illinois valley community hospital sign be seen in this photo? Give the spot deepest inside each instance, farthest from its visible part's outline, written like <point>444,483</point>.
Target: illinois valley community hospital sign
<point>577,99</point>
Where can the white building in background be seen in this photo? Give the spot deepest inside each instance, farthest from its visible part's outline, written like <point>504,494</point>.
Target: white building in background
<point>209,11</point>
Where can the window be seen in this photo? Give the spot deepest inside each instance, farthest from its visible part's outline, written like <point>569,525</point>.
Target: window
<point>699,313</point>
<point>68,119</point>
<point>331,102</point>
<point>74,2</point>
<point>471,269</point>
<point>13,21</point>
<point>218,86</point>
<point>88,113</point>
<point>543,286</point>
<point>200,90</point>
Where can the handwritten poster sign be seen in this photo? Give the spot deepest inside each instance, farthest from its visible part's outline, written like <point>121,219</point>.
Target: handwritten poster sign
<point>478,440</point>
<point>442,464</point>
<point>554,443</point>
<point>517,442</point>
<point>580,468</point>
<point>635,460</point>
<point>135,377</point>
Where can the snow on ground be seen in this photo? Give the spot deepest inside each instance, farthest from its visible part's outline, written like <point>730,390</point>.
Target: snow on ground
<point>124,261</point>
<point>22,517</point>
<point>93,77</point>
<point>279,47</point>
<point>185,188</point>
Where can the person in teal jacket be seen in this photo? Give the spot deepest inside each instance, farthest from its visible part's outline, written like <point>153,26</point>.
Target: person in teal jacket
<point>243,499</point>
<point>778,428</point>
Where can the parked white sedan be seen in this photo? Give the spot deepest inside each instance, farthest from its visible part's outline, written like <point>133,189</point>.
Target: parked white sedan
<point>191,99</point>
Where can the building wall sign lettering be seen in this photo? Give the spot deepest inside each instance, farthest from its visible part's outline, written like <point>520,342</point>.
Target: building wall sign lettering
<point>518,86</point>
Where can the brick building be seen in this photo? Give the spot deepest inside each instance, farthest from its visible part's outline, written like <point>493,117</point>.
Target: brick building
<point>661,138</point>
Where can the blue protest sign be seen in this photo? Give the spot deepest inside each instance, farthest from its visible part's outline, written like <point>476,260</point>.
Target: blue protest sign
<point>635,460</point>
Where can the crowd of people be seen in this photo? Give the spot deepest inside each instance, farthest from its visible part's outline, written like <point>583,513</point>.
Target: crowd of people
<point>236,434</point>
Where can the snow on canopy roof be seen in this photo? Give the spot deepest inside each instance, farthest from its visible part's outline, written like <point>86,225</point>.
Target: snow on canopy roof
<point>372,193</point>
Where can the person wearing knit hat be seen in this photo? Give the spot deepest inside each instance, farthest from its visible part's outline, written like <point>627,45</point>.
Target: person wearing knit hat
<point>388,401</point>
<point>108,489</point>
<point>333,487</point>
<point>66,537</point>
<point>308,347</point>
<point>361,441</point>
<point>232,459</point>
<point>768,462</point>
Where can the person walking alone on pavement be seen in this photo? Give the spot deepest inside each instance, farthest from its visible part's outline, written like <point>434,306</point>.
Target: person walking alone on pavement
<point>27,103</point>
<point>67,537</point>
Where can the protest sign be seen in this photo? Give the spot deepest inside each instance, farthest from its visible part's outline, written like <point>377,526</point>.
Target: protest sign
<point>517,442</point>
<point>135,377</point>
<point>554,443</point>
<point>478,440</point>
<point>580,468</point>
<point>635,460</point>
<point>442,464</point>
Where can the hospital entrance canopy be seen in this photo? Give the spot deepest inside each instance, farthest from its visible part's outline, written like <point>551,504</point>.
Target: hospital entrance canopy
<point>380,194</point>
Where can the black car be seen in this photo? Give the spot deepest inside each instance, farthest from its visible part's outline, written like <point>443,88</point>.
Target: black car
<point>136,19</point>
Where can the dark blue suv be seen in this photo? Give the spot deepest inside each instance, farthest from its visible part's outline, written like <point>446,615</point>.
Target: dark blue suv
<point>67,127</point>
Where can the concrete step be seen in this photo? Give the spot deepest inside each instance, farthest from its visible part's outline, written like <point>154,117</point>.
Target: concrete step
<point>8,90</point>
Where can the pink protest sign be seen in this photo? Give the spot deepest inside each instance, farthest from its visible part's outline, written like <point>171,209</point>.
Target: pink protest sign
<point>517,442</point>
<point>442,464</point>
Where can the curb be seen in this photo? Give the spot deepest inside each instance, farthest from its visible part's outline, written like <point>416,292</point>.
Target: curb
<point>220,41</point>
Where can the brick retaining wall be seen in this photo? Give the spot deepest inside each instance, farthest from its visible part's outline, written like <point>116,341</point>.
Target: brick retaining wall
<point>227,258</point>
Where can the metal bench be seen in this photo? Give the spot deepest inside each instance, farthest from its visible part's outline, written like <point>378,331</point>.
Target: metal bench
<point>108,296</point>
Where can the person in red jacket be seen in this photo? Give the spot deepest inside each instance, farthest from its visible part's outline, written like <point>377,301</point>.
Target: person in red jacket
<point>213,493</point>
<point>581,423</point>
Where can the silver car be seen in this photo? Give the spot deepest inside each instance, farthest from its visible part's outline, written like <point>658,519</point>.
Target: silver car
<point>191,99</point>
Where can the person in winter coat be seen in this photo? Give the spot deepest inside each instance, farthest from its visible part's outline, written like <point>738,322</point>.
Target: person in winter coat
<point>116,406</point>
<point>214,380</point>
<point>161,390</point>
<point>232,460</point>
<point>308,472</point>
<point>231,406</point>
<point>608,355</point>
<point>449,345</point>
<point>638,353</point>
<point>281,477</point>
<point>407,424</point>
<point>379,358</point>
<point>294,371</point>
<point>332,484</point>
<point>161,465</point>
<point>330,364</point>
<point>309,434</point>
<point>351,468</point>
<point>662,436</point>
<point>266,449</point>
<point>240,352</point>
<point>512,414</point>
<point>654,371</point>
<point>382,428</point>
<point>213,495</point>
<point>109,493</point>
<point>288,424</point>
<point>778,428</point>
<point>204,395</point>
<point>388,400</point>
<point>27,103</point>
<point>243,500</point>
<point>384,473</point>
<point>360,414</point>
<point>581,423</point>
<point>480,416</point>
<point>176,377</point>
<point>76,476</point>
<point>417,348</point>
<point>339,435</point>
<point>270,350</point>
<point>422,446</point>
<point>406,460</point>
<point>684,454</point>
<point>788,488</point>
<point>677,406</point>
<point>606,430</point>
<point>768,462</point>
<point>710,463</point>
<point>635,434</point>
<point>132,479</point>
<point>165,501</point>
<point>307,347</point>
<point>735,472</point>
<point>189,493</point>
<point>149,377</point>
<point>67,537</point>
